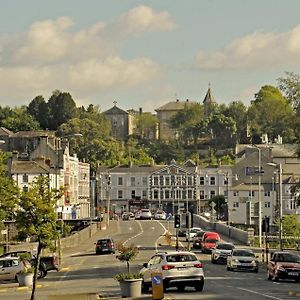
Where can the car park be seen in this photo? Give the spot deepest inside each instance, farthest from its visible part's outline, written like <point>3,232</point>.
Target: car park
<point>178,268</point>
<point>160,215</point>
<point>242,259</point>
<point>284,265</point>
<point>9,267</point>
<point>145,214</point>
<point>105,245</point>
<point>220,252</point>
<point>191,233</point>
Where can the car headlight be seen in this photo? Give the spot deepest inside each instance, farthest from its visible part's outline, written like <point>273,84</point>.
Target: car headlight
<point>281,268</point>
<point>235,261</point>
<point>218,252</point>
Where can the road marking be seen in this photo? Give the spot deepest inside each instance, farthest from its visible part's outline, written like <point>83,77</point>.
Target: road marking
<point>259,293</point>
<point>133,237</point>
<point>64,269</point>
<point>3,290</point>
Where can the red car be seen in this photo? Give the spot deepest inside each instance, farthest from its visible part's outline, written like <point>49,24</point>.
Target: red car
<point>209,241</point>
<point>284,265</point>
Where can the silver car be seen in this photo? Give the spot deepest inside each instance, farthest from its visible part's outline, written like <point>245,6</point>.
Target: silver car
<point>9,267</point>
<point>242,259</point>
<point>178,269</point>
<point>220,253</point>
<point>145,214</point>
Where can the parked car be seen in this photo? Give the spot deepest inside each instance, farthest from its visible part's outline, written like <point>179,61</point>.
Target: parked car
<point>9,267</point>
<point>125,216</point>
<point>190,234</point>
<point>178,269</point>
<point>220,252</point>
<point>284,265</point>
<point>106,245</point>
<point>242,259</point>
<point>145,214</point>
<point>160,215</point>
<point>47,263</point>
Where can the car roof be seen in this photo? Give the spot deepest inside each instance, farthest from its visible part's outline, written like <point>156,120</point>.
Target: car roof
<point>176,253</point>
<point>9,258</point>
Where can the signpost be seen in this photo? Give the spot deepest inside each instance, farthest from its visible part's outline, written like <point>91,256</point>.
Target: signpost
<point>157,286</point>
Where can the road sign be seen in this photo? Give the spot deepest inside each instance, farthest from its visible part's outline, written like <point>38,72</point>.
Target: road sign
<point>157,286</point>
<point>169,216</point>
<point>212,204</point>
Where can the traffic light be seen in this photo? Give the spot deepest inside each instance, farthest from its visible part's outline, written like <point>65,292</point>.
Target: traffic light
<point>177,221</point>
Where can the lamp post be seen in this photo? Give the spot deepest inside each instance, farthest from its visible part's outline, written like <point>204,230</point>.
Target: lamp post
<point>108,197</point>
<point>279,168</point>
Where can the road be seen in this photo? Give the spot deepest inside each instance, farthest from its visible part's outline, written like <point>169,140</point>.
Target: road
<point>83,271</point>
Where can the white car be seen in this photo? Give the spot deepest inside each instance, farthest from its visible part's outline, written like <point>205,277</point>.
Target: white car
<point>220,253</point>
<point>193,231</point>
<point>9,267</point>
<point>178,269</point>
<point>160,215</point>
<point>242,259</point>
<point>145,214</point>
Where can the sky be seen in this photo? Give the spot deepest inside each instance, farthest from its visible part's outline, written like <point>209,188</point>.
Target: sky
<point>143,54</point>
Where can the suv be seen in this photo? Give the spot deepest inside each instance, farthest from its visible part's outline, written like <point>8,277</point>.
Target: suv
<point>105,246</point>
<point>9,267</point>
<point>178,269</point>
<point>145,214</point>
<point>220,252</point>
<point>284,265</point>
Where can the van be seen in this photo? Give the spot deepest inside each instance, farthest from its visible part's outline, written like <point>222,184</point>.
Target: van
<point>209,240</point>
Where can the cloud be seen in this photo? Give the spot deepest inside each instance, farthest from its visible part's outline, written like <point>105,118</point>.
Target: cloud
<point>51,54</point>
<point>257,50</point>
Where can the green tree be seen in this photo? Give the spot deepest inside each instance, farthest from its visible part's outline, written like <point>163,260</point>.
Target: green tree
<point>146,125</point>
<point>290,225</point>
<point>19,120</point>
<point>271,113</point>
<point>62,108</point>
<point>38,108</point>
<point>8,192</point>
<point>290,86</point>
<point>36,217</point>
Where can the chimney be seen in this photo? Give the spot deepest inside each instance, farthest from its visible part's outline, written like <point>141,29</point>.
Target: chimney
<point>44,139</point>
<point>187,100</point>
<point>177,100</point>
<point>15,155</point>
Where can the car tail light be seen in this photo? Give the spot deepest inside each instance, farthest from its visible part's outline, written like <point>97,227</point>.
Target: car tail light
<point>167,267</point>
<point>198,265</point>
<point>109,244</point>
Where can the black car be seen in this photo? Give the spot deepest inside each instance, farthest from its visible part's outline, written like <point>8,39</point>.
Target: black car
<point>182,230</point>
<point>105,246</point>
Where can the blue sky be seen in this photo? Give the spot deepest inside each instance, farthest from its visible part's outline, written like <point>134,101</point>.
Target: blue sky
<point>145,53</point>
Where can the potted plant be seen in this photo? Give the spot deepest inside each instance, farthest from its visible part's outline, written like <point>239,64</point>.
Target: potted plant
<point>25,275</point>
<point>130,282</point>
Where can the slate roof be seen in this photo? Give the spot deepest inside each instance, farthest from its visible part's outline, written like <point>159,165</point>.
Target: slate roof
<point>29,167</point>
<point>32,134</point>
<point>209,98</point>
<point>115,111</point>
<point>175,105</point>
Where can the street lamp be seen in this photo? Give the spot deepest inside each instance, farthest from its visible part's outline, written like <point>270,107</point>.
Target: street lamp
<point>259,195</point>
<point>279,168</point>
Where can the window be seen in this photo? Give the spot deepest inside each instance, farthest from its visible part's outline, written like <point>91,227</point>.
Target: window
<point>236,193</point>
<point>168,181</point>
<point>25,188</point>
<point>202,195</point>
<point>190,180</point>
<point>268,204</point>
<point>144,180</point>
<point>167,194</point>
<point>161,180</point>
<point>251,193</point>
<point>155,194</point>
<point>132,181</point>
<point>133,194</point>
<point>267,193</point>
<point>235,204</point>
<point>155,180</point>
<point>212,180</point>
<point>144,194</point>
<point>120,194</point>
<point>202,181</point>
<point>212,194</point>
<point>25,178</point>
<point>190,194</point>
<point>120,180</point>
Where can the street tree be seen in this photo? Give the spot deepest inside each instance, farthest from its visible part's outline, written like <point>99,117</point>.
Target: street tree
<point>8,193</point>
<point>36,217</point>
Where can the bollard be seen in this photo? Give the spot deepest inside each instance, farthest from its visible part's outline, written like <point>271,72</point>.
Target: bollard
<point>157,286</point>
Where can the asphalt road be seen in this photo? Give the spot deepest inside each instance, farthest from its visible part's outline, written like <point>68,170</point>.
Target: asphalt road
<point>83,271</point>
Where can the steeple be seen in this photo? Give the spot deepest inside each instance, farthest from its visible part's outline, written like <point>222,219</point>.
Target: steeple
<point>209,102</point>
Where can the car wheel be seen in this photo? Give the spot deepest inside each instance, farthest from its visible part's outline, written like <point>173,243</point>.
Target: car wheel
<point>41,273</point>
<point>256,270</point>
<point>213,261</point>
<point>145,287</point>
<point>199,286</point>
<point>275,278</point>
<point>180,287</point>
<point>229,269</point>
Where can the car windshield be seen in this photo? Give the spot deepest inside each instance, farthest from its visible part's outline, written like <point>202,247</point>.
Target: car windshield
<point>289,257</point>
<point>103,241</point>
<point>199,233</point>
<point>145,210</point>
<point>243,253</point>
<point>181,257</point>
<point>194,230</point>
<point>210,241</point>
<point>225,246</point>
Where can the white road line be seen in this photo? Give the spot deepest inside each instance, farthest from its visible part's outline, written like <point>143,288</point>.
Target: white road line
<point>133,237</point>
<point>261,294</point>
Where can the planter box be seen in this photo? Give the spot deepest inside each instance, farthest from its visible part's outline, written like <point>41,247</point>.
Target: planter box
<point>131,287</point>
<point>25,279</point>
